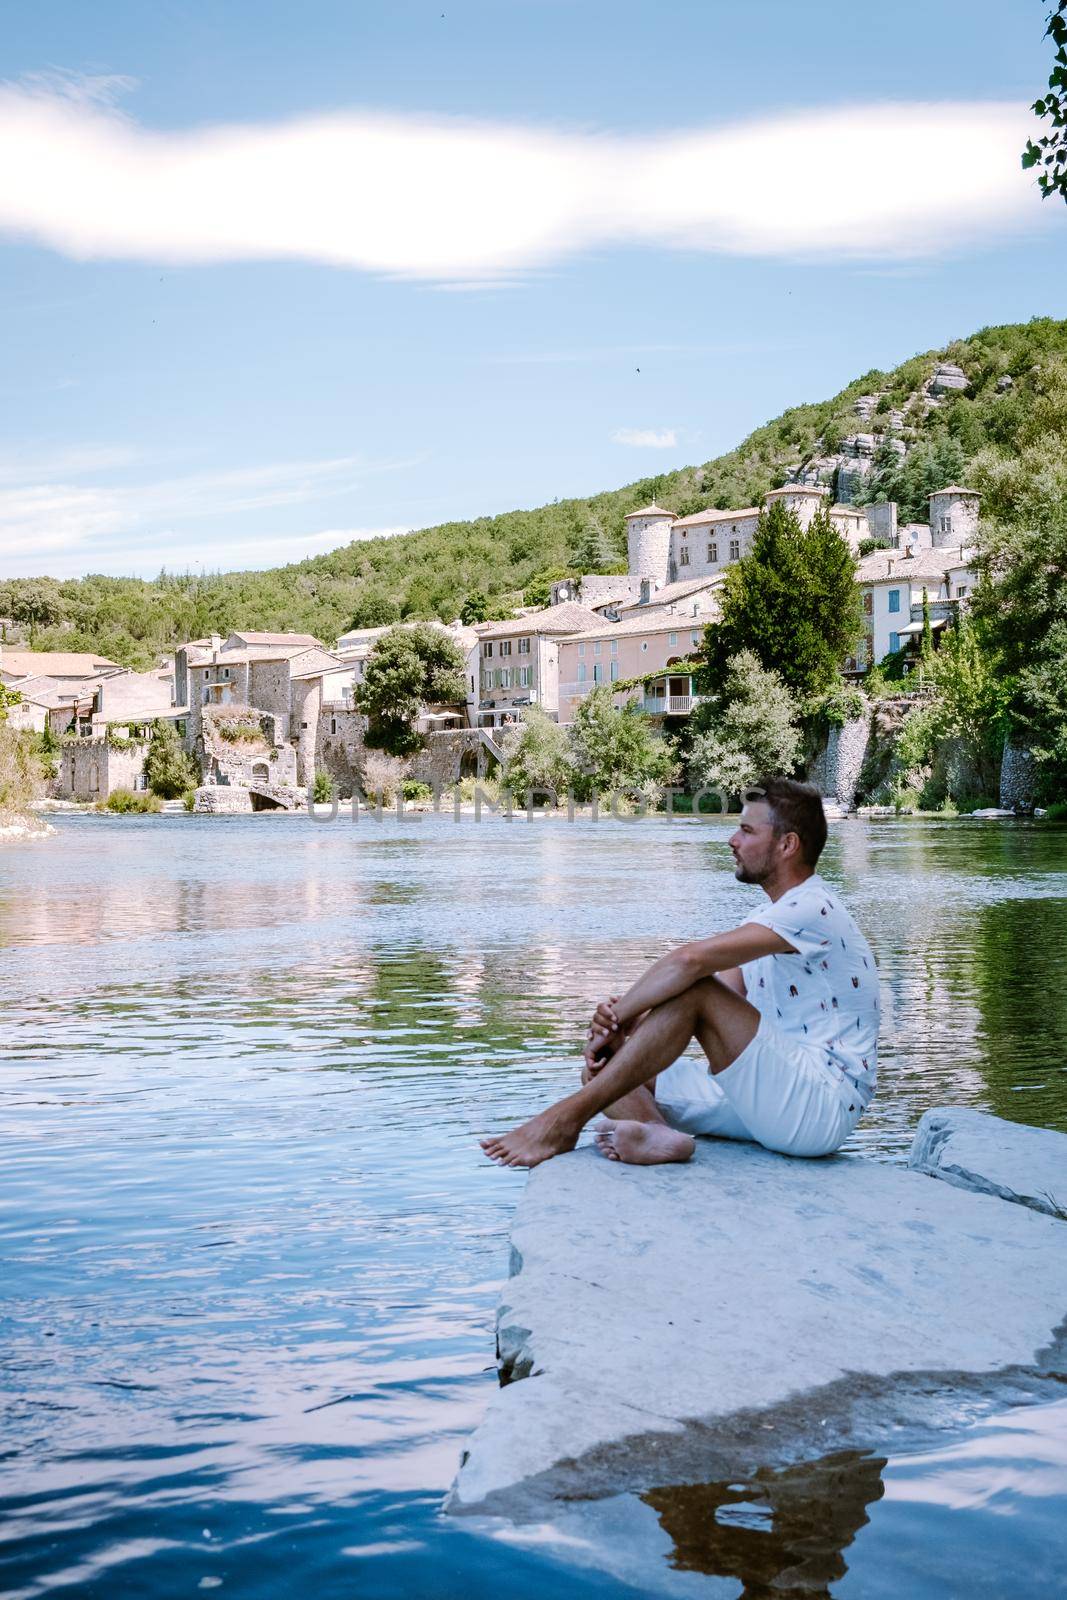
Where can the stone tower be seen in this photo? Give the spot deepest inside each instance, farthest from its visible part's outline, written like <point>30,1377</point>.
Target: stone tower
<point>953,516</point>
<point>803,499</point>
<point>648,542</point>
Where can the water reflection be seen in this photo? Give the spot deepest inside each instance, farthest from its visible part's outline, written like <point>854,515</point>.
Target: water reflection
<point>249,1252</point>
<point>782,1533</point>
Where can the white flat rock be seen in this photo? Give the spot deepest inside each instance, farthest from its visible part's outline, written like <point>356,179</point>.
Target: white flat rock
<point>975,1150</point>
<point>684,1323</point>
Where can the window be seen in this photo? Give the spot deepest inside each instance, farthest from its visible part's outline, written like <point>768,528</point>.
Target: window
<point>505,647</point>
<point>598,672</point>
<point>694,639</point>
<point>333,724</point>
<point>961,590</point>
<point>894,643</point>
<point>524,677</point>
<point>180,726</point>
<point>505,677</point>
<point>735,549</point>
<point>683,556</point>
<point>868,603</point>
<point>304,726</point>
<point>487,649</point>
<point>894,599</point>
<point>596,648</point>
<point>614,672</point>
<point>672,638</point>
<point>524,647</point>
<point>581,649</point>
<point>614,647</point>
<point>581,672</point>
<point>644,644</point>
<point>713,552</point>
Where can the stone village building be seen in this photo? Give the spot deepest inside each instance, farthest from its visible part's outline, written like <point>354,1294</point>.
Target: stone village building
<point>937,559</point>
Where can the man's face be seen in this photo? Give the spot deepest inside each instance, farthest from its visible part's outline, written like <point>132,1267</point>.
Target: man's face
<point>755,845</point>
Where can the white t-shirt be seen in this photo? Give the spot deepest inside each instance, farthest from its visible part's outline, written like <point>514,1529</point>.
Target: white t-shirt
<point>827,994</point>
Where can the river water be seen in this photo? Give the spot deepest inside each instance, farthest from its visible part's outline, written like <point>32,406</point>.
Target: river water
<point>250,1250</point>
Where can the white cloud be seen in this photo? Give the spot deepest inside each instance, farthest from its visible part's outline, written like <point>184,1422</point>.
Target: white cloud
<point>66,528</point>
<point>646,438</point>
<point>469,203</point>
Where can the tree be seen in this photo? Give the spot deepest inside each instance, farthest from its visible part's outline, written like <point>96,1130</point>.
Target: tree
<point>38,602</point>
<point>593,550</point>
<point>974,694</point>
<point>374,609</point>
<point>926,648</point>
<point>475,608</point>
<point>615,749</point>
<point>1022,600</point>
<point>169,770</point>
<point>537,755</point>
<point>750,729</point>
<point>409,667</point>
<point>1050,151</point>
<point>793,602</point>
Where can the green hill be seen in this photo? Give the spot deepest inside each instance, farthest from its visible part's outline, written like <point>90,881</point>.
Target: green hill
<point>430,572</point>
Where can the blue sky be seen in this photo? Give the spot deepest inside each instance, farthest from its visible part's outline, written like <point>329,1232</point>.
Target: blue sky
<point>275,277</point>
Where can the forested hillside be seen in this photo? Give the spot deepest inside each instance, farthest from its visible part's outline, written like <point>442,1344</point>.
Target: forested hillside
<point>433,571</point>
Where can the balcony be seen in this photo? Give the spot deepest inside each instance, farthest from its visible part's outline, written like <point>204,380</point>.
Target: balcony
<point>670,696</point>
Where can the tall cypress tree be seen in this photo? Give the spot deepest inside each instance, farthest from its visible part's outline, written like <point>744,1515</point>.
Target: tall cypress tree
<point>793,601</point>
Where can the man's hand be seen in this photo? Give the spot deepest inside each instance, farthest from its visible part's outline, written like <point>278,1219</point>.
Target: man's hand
<point>603,1038</point>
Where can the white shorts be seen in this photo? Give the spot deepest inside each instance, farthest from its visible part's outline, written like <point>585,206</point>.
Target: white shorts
<point>776,1094</point>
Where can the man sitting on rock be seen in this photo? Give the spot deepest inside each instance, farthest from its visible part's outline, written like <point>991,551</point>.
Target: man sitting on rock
<point>785,1008</point>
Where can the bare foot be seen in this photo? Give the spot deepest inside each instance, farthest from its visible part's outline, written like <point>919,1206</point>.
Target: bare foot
<point>645,1144</point>
<point>536,1141</point>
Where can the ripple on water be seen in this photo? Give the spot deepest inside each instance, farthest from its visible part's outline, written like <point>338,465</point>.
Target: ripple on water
<point>251,1255</point>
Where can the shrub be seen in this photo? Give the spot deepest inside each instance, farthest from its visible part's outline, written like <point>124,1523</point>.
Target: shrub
<point>322,788</point>
<point>614,749</point>
<point>537,756</point>
<point>189,799</point>
<point>413,789</point>
<point>841,703</point>
<point>168,769</point>
<point>750,729</point>
<point>127,800</point>
<point>383,776</point>
<point>21,770</point>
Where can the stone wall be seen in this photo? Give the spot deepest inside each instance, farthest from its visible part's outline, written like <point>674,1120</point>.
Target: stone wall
<point>451,754</point>
<point>245,761</point>
<point>95,769</point>
<point>268,690</point>
<point>304,725</point>
<point>339,745</point>
<point>1018,778</point>
<point>835,772</point>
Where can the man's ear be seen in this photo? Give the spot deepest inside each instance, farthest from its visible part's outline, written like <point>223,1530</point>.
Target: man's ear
<point>791,844</point>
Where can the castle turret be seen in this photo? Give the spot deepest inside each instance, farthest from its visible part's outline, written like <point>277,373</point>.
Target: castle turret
<point>648,542</point>
<point>803,499</point>
<point>953,516</point>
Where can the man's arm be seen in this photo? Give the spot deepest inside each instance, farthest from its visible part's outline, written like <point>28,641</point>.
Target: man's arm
<point>678,970</point>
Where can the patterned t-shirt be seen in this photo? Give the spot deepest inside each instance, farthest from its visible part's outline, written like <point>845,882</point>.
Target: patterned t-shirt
<point>827,993</point>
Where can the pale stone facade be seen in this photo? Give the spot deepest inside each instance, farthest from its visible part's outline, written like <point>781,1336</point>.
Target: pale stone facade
<point>953,517</point>
<point>91,769</point>
<point>518,661</point>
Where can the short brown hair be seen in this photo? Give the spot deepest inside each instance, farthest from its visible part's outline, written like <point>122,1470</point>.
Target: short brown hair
<point>795,808</point>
